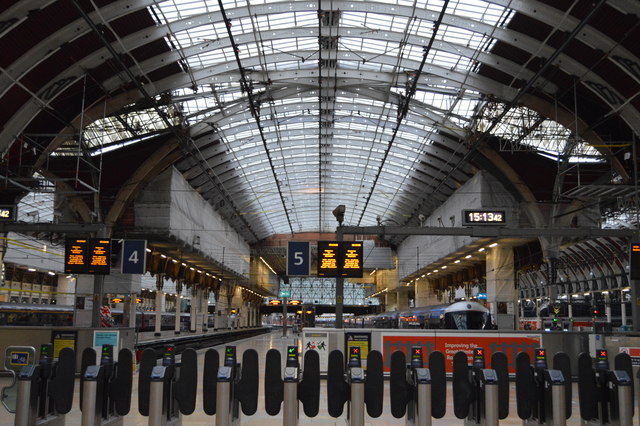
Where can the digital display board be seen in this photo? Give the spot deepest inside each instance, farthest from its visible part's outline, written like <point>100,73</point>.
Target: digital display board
<point>634,261</point>
<point>340,259</point>
<point>351,259</point>
<point>75,255</point>
<point>483,217</point>
<point>328,259</point>
<point>7,213</point>
<point>100,256</point>
<point>87,256</point>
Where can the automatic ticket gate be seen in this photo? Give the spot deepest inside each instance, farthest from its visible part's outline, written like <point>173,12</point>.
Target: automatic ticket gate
<point>356,387</point>
<point>480,395</point>
<point>233,386</point>
<point>543,395</point>
<point>15,358</point>
<point>606,396</point>
<point>45,390</point>
<point>168,390</point>
<point>416,391</point>
<point>105,387</point>
<point>290,389</point>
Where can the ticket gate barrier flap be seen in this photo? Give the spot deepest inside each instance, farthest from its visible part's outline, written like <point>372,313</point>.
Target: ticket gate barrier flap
<point>15,358</point>
<point>526,395</point>
<point>400,390</point>
<point>463,394</point>
<point>147,362</point>
<point>209,381</point>
<point>562,362</point>
<point>500,364</point>
<point>337,388</point>
<point>438,384</point>
<point>374,384</point>
<point>246,389</point>
<point>273,384</point>
<point>120,389</point>
<point>587,390</point>
<point>184,389</point>
<point>60,389</point>
<point>309,386</point>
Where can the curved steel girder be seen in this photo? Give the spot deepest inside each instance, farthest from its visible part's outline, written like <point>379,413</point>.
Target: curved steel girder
<point>566,61</point>
<point>77,204</point>
<point>594,246</point>
<point>161,158</point>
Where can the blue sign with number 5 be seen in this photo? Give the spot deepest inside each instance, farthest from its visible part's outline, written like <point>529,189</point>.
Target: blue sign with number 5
<point>298,259</point>
<point>134,256</point>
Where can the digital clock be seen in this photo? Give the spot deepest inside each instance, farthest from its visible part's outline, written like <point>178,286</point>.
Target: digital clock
<point>483,217</point>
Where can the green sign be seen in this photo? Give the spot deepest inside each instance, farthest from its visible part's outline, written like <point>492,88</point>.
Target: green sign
<point>284,293</point>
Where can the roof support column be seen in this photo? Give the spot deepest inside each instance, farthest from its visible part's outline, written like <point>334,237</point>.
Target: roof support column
<point>425,294</point>
<point>501,291</point>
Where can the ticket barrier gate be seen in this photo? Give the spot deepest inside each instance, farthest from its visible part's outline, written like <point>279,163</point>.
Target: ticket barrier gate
<point>356,387</point>
<point>480,395</point>
<point>15,358</point>
<point>232,387</point>
<point>606,396</point>
<point>45,390</point>
<point>167,391</point>
<point>415,391</point>
<point>105,388</point>
<point>289,390</point>
<point>543,395</point>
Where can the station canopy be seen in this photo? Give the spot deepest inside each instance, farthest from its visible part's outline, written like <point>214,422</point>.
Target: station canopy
<point>281,111</point>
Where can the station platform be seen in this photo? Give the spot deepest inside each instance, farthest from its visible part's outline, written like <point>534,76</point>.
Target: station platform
<point>275,340</point>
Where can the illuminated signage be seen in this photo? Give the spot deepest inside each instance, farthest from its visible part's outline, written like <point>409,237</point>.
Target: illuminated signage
<point>75,256</point>
<point>116,300</point>
<point>138,300</point>
<point>328,255</point>
<point>354,357</point>
<point>483,217</point>
<point>634,261</point>
<point>292,356</point>
<point>340,259</point>
<point>87,256</point>
<point>7,213</point>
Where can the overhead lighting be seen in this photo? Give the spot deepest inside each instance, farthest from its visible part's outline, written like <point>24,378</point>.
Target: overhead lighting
<point>481,249</point>
<point>31,269</point>
<point>51,273</point>
<point>148,250</point>
<point>444,266</point>
<point>164,256</point>
<point>457,261</point>
<point>428,273</point>
<point>435,270</point>
<point>373,272</point>
<point>184,264</point>
<point>493,244</point>
<point>174,260</point>
<point>468,256</point>
<point>268,266</point>
<point>422,276</point>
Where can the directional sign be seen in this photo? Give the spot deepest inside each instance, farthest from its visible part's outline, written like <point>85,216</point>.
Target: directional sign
<point>298,259</point>
<point>284,293</point>
<point>134,256</point>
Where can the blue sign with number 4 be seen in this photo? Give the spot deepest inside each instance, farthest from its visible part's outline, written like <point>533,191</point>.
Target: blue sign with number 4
<point>134,256</point>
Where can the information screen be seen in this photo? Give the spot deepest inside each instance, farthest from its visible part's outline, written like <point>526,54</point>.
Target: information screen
<point>634,261</point>
<point>7,213</point>
<point>352,259</point>
<point>75,256</point>
<point>483,217</point>
<point>328,259</point>
<point>100,260</point>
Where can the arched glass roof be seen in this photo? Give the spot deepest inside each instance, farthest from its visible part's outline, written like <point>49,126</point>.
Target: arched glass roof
<point>297,107</point>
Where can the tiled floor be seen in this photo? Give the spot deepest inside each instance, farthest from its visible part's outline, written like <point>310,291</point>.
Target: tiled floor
<point>275,340</point>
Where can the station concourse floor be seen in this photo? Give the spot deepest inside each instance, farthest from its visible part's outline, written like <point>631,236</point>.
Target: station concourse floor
<point>275,340</point>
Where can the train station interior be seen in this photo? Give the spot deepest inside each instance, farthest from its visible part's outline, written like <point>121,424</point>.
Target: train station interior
<point>182,171</point>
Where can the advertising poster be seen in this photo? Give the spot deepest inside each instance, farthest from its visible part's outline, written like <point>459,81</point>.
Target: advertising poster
<point>319,342</point>
<point>450,343</point>
<point>63,339</point>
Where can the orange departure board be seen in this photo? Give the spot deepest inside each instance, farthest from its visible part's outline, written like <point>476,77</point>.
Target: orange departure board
<point>340,259</point>
<point>87,256</point>
<point>100,252</point>
<point>328,259</point>
<point>75,255</point>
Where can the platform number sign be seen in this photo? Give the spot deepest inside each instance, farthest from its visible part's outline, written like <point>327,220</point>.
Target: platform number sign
<point>134,256</point>
<point>634,261</point>
<point>298,259</point>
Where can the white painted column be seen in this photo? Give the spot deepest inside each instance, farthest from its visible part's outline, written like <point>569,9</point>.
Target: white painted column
<point>159,303</point>
<point>177,327</point>
<point>68,286</point>
<point>500,286</point>
<point>193,320</point>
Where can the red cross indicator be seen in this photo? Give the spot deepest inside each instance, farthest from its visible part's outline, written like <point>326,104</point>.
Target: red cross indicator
<point>602,355</point>
<point>478,353</point>
<point>417,351</point>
